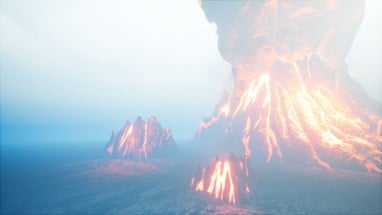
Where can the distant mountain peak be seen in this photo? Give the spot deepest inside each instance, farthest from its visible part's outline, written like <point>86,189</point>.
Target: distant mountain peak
<point>140,139</point>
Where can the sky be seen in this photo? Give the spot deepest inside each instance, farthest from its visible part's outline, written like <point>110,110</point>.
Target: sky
<point>75,70</point>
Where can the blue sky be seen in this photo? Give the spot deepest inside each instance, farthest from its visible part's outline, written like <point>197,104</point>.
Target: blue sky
<point>75,70</point>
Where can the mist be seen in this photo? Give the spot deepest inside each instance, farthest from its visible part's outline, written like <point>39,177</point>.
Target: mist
<point>190,107</point>
<point>73,71</point>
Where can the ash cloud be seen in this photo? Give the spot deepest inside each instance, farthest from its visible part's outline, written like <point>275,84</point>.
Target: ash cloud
<point>286,31</point>
<point>258,36</point>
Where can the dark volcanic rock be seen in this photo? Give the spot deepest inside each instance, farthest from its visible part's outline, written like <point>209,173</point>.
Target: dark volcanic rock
<point>140,139</point>
<point>227,179</point>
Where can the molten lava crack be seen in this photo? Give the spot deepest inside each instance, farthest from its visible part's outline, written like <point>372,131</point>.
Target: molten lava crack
<point>225,179</point>
<point>138,140</point>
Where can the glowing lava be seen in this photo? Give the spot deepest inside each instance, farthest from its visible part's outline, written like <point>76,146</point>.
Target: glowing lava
<point>293,99</point>
<point>226,180</point>
<point>139,139</point>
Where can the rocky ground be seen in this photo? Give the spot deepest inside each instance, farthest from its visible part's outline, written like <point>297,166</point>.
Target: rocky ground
<point>67,181</point>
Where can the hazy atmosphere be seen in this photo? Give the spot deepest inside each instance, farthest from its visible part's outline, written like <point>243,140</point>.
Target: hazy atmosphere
<point>190,107</point>
<point>74,70</point>
<point>86,67</point>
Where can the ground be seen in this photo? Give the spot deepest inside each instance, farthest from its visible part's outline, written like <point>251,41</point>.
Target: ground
<point>68,179</point>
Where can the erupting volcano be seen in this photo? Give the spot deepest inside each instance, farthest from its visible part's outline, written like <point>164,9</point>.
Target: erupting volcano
<point>293,100</point>
<point>140,139</point>
<point>225,179</point>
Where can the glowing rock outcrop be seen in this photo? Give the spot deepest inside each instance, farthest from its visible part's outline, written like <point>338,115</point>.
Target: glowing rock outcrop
<point>225,179</point>
<point>140,139</point>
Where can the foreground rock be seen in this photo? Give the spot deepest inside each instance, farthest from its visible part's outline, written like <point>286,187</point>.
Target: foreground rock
<point>140,140</point>
<point>226,179</point>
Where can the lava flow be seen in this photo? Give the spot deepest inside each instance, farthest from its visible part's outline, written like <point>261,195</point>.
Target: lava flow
<point>225,179</point>
<point>138,140</point>
<point>293,99</point>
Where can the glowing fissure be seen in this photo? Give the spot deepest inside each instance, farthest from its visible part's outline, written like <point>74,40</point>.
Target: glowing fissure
<point>200,184</point>
<point>314,117</point>
<point>246,137</point>
<point>138,140</point>
<point>221,174</point>
<point>223,112</point>
<point>224,179</point>
<point>145,141</point>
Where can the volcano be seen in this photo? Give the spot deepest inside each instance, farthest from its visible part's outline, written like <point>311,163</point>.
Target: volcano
<point>293,100</point>
<point>140,139</point>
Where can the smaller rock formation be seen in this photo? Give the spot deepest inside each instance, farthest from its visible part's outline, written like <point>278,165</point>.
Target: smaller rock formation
<point>140,139</point>
<point>226,179</point>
